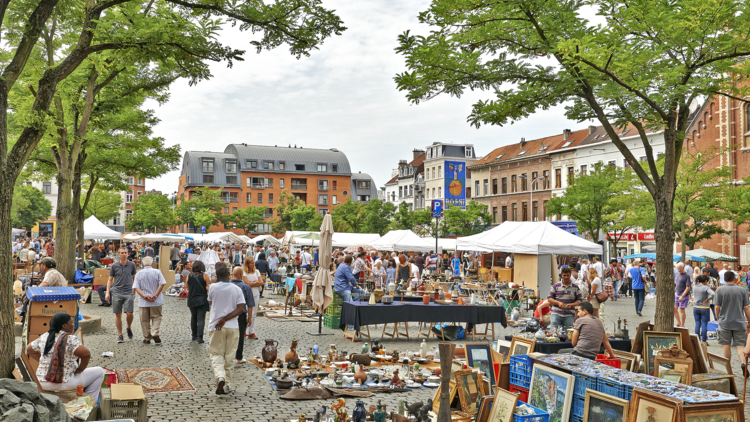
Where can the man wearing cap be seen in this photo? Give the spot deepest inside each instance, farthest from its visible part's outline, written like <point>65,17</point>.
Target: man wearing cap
<point>52,277</point>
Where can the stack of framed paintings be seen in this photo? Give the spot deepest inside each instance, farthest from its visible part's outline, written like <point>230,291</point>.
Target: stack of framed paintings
<point>478,355</point>
<point>629,361</point>
<point>653,343</point>
<point>552,391</point>
<point>646,406</point>
<point>470,388</point>
<point>521,346</point>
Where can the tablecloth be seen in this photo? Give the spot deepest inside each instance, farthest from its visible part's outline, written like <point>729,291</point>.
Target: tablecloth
<point>553,348</point>
<point>359,314</point>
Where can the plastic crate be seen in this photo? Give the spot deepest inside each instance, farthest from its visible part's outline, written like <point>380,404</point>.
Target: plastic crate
<point>337,299</point>
<point>583,382</point>
<point>627,392</point>
<point>615,363</point>
<point>574,418</point>
<point>331,321</point>
<point>520,370</point>
<point>122,409</point>
<point>578,404</point>
<point>611,387</point>
<point>540,416</point>
<point>523,393</point>
<point>333,310</point>
<point>712,326</point>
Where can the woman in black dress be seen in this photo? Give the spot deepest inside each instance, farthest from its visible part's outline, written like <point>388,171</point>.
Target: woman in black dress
<point>198,299</point>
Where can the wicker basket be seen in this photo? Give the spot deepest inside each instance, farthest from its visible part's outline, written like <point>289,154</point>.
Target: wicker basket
<point>122,409</point>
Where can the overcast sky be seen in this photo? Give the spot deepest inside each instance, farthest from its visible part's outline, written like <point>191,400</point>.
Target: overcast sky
<point>343,96</point>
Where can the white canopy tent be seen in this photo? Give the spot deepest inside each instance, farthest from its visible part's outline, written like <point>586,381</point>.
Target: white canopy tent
<point>215,237</point>
<point>18,231</point>
<point>531,238</point>
<point>154,237</point>
<point>402,240</point>
<point>262,238</point>
<point>445,244</point>
<point>95,229</point>
<point>344,240</point>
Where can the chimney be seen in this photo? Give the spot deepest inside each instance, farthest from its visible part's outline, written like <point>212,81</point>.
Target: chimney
<point>416,153</point>
<point>401,163</point>
<point>566,134</point>
<point>523,142</point>
<point>592,129</point>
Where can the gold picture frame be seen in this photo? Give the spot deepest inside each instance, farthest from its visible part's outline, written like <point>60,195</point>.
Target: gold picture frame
<point>724,411</point>
<point>720,363</point>
<point>596,400</point>
<point>470,387</point>
<point>646,406</point>
<point>484,407</point>
<point>503,407</point>
<point>629,361</point>
<point>682,368</point>
<point>436,398</point>
<point>517,342</point>
<point>653,343</point>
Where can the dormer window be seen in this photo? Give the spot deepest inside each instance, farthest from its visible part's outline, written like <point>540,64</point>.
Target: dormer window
<point>230,166</point>
<point>469,152</point>
<point>251,164</point>
<point>208,165</point>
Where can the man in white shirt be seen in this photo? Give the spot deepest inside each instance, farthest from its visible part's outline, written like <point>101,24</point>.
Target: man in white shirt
<point>584,269</point>
<point>599,265</point>
<point>148,284</point>
<point>508,262</point>
<point>721,274</point>
<point>306,259</point>
<point>227,303</point>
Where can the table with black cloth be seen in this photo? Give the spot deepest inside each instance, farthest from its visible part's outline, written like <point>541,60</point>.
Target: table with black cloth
<point>554,348</point>
<point>360,314</point>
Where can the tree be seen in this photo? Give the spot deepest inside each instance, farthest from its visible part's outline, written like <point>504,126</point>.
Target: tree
<point>303,218</point>
<point>103,205</point>
<point>203,209</point>
<point>348,217</point>
<point>284,212</point>
<point>181,32</point>
<point>642,66</point>
<point>474,219</point>
<point>403,218</point>
<point>597,201</point>
<point>377,215</point>
<point>29,207</point>
<point>152,212</point>
<point>247,218</point>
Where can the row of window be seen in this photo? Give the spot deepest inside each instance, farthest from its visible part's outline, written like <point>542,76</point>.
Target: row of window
<point>130,196</point>
<point>438,175</point>
<point>297,184</point>
<point>230,166</point>
<point>536,182</point>
<point>514,216</point>
<point>139,182</point>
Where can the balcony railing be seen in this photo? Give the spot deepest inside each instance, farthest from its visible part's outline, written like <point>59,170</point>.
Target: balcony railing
<point>323,188</point>
<point>267,215</point>
<point>299,186</point>
<point>258,185</point>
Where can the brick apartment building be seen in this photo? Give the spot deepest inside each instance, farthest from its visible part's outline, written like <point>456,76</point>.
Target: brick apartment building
<point>255,175</point>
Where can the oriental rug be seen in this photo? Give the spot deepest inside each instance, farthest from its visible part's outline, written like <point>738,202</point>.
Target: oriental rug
<point>156,380</point>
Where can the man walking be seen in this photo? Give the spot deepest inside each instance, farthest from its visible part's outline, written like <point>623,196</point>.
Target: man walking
<point>637,283</point>
<point>681,294</point>
<point>227,303</point>
<point>148,284</point>
<point>564,298</point>
<point>713,284</point>
<point>120,291</point>
<point>174,255</point>
<point>247,292</point>
<point>733,309</point>
<point>306,260</point>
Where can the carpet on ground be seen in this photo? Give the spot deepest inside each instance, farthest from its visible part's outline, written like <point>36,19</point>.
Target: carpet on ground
<point>156,380</point>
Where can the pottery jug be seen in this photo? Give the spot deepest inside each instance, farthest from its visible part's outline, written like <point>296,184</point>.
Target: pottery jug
<point>515,315</point>
<point>269,351</point>
<point>540,335</point>
<point>426,299</point>
<point>291,355</point>
<point>379,414</point>
<point>359,413</point>
<point>360,377</point>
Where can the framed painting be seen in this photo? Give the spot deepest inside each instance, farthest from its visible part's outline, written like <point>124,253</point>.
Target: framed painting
<point>436,398</point>
<point>638,339</point>
<point>552,391</point>
<point>674,369</point>
<point>503,407</point>
<point>653,343</point>
<point>484,407</point>
<point>600,407</point>
<point>719,412</point>
<point>503,347</point>
<point>521,346</point>
<point>701,365</point>
<point>456,365</point>
<point>470,388</point>
<point>646,406</point>
<point>628,361</point>
<point>720,363</point>
<point>478,355</point>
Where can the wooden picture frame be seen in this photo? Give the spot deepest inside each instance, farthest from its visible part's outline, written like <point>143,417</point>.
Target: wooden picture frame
<point>436,398</point>
<point>701,365</point>
<point>503,407</point>
<point>646,406</point>
<point>479,354</point>
<point>596,399</point>
<point>455,367</point>
<point>552,385</point>
<point>628,361</point>
<point>682,367</point>
<point>518,342</point>
<point>470,387</point>
<point>503,348</point>
<point>637,346</point>
<point>655,341</point>
<point>724,411</point>
<point>484,407</point>
<point>720,363</point>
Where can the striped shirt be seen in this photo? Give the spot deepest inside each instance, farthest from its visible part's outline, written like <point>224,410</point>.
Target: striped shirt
<point>567,295</point>
<point>148,280</point>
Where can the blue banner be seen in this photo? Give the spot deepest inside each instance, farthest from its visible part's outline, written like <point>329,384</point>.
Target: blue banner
<point>455,183</point>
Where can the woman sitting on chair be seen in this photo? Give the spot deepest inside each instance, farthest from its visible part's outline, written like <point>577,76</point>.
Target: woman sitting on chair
<point>58,351</point>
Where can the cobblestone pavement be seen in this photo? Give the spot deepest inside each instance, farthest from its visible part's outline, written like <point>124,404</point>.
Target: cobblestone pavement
<point>254,399</point>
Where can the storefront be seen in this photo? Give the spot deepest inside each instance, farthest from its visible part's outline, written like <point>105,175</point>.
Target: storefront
<point>647,242</point>
<point>626,244</point>
<point>44,229</point>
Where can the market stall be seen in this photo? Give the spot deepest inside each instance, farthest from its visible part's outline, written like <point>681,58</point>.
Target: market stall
<point>403,240</point>
<point>95,229</point>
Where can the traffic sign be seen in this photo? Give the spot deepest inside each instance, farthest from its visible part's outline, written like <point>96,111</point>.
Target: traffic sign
<point>437,208</point>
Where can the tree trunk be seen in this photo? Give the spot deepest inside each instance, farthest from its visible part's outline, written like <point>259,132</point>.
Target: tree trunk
<point>7,330</point>
<point>65,239</point>
<point>77,204</point>
<point>682,241</point>
<point>664,233</point>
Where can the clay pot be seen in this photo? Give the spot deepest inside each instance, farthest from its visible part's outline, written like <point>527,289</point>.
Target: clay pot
<point>292,355</point>
<point>460,301</point>
<point>426,299</point>
<point>360,377</point>
<point>269,351</point>
<point>438,371</point>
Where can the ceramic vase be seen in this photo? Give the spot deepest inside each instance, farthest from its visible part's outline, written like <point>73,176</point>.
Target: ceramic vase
<point>359,413</point>
<point>269,352</point>
<point>360,377</point>
<point>379,414</point>
<point>426,299</point>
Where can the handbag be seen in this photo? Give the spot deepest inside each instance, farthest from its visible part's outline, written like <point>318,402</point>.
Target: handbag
<point>602,297</point>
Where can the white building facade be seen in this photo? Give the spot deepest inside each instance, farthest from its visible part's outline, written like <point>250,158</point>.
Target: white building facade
<point>439,176</point>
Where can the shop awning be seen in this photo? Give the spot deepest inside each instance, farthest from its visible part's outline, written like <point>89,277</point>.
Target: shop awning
<point>652,256</point>
<point>711,255</point>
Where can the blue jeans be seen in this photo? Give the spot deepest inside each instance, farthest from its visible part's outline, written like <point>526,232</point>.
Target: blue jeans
<point>616,284</point>
<point>347,294</point>
<point>640,299</point>
<point>561,321</point>
<point>713,311</point>
<point>702,317</point>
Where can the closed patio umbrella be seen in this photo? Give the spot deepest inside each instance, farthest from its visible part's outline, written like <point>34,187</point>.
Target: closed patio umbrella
<point>322,291</point>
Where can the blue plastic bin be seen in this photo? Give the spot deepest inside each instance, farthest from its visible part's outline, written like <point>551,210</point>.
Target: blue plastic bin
<point>520,370</point>
<point>582,383</point>
<point>540,416</point>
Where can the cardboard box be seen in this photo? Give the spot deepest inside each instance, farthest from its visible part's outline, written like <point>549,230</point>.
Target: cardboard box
<point>169,276</point>
<point>50,309</point>
<point>101,275</point>
<point>38,325</point>
<point>127,391</point>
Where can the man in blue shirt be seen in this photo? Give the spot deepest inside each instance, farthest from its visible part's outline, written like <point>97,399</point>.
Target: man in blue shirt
<point>345,284</point>
<point>637,275</point>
